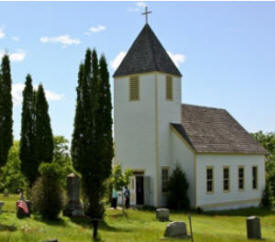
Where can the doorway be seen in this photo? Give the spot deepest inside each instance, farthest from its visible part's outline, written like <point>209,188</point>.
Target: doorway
<point>139,190</point>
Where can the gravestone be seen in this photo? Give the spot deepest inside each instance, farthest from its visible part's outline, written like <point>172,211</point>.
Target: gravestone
<point>1,205</point>
<point>162,214</point>
<point>176,230</point>
<point>74,207</point>
<point>253,227</point>
<point>6,193</point>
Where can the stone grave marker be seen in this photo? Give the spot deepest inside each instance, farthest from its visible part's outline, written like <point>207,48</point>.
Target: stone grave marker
<point>176,230</point>
<point>6,193</point>
<point>162,214</point>
<point>74,207</point>
<point>253,228</point>
<point>1,205</point>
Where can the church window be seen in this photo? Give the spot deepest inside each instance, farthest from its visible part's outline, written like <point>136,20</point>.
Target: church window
<point>164,179</point>
<point>254,177</point>
<point>226,179</point>
<point>134,88</point>
<point>210,179</point>
<point>241,177</point>
<point>169,88</point>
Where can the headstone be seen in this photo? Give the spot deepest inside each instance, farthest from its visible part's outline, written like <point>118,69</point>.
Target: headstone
<point>176,230</point>
<point>162,214</point>
<point>6,193</point>
<point>50,240</point>
<point>253,227</point>
<point>74,207</point>
<point>1,205</point>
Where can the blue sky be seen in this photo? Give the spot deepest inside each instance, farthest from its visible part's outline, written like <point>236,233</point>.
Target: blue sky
<point>225,51</point>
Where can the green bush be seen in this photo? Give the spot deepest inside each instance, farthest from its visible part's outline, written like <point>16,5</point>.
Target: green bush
<point>177,190</point>
<point>47,193</point>
<point>11,178</point>
<point>268,199</point>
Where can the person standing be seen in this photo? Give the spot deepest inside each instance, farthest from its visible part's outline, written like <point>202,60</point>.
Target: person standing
<point>127,197</point>
<point>114,198</point>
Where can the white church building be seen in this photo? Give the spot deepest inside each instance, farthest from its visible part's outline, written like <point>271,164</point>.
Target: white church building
<point>154,132</point>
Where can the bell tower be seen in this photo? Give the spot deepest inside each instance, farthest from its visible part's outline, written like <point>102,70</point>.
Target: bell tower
<point>147,98</point>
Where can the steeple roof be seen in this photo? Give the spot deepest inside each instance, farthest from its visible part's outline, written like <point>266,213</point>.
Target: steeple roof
<point>145,55</point>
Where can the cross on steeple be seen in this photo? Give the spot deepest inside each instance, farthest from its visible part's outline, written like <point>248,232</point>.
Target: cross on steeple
<point>146,14</point>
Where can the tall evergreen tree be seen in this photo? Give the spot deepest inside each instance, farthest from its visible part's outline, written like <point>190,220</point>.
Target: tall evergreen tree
<point>28,155</point>
<point>6,137</point>
<point>90,137</point>
<point>83,136</point>
<point>93,179</point>
<point>78,139</point>
<point>43,130</point>
<point>104,120</point>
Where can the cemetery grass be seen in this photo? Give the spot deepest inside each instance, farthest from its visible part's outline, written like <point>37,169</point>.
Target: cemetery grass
<point>136,225</point>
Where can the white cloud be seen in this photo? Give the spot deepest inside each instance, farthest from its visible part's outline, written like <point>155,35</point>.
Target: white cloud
<point>96,29</point>
<point>17,90</point>
<point>52,96</point>
<point>177,58</point>
<point>137,7</point>
<point>17,56</point>
<point>66,40</point>
<point>141,4</point>
<point>117,60</point>
<point>2,34</point>
<point>15,38</point>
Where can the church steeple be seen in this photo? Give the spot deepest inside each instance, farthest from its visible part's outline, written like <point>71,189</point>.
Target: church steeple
<point>146,55</point>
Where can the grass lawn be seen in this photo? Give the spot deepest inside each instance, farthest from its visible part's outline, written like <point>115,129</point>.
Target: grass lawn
<point>137,225</point>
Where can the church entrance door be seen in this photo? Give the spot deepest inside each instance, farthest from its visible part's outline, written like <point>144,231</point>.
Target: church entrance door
<point>139,190</point>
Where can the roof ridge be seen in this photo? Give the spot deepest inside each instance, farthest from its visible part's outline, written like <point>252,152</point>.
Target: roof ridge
<point>152,49</point>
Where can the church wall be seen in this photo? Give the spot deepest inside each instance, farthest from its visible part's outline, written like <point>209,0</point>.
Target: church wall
<point>134,128</point>
<point>168,111</point>
<point>234,198</point>
<point>183,156</point>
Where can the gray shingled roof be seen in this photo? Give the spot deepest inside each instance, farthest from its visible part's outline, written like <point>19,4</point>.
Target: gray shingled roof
<point>146,54</point>
<point>213,130</point>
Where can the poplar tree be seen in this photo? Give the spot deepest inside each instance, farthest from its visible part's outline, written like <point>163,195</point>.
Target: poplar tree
<point>28,157</point>
<point>78,139</point>
<point>43,130</point>
<point>91,141</point>
<point>92,178</point>
<point>6,137</point>
<point>104,120</point>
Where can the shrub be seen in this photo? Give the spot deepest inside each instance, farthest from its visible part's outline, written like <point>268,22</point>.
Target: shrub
<point>267,199</point>
<point>11,178</point>
<point>271,180</point>
<point>47,194</point>
<point>177,190</point>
